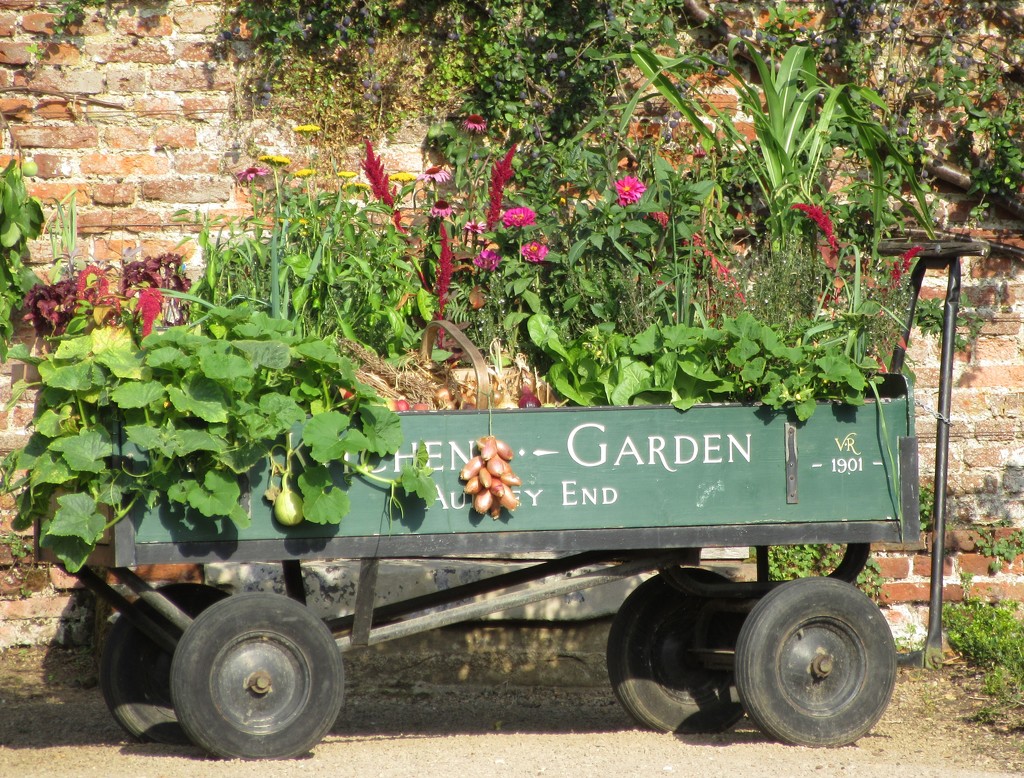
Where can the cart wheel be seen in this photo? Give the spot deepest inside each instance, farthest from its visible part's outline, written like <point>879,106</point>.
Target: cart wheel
<point>655,676</point>
<point>815,663</point>
<point>135,672</point>
<point>257,676</point>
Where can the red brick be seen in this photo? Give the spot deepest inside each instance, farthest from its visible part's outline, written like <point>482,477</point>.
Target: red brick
<point>16,108</point>
<point>185,573</point>
<point>96,221</point>
<point>196,190</point>
<point>136,219</point>
<point>14,53</point>
<point>975,564</point>
<point>134,138</point>
<point>995,267</point>
<point>35,607</point>
<point>39,23</point>
<point>988,296</point>
<point>112,250</point>
<point>51,165</point>
<point>54,110</point>
<point>998,590</point>
<point>124,164</point>
<point>194,78</point>
<point>8,25</point>
<point>18,5</point>
<point>197,20</point>
<point>1002,350</point>
<point>194,52</point>
<point>62,580</point>
<point>52,79</point>
<point>145,26</point>
<point>60,54</point>
<point>207,105</point>
<point>917,592</point>
<point>126,80</point>
<point>154,248</point>
<point>996,375</point>
<point>923,565</point>
<point>893,567</point>
<point>50,192</point>
<point>175,137</point>
<point>198,163</point>
<point>113,194</point>
<point>145,52</point>
<point>75,137</point>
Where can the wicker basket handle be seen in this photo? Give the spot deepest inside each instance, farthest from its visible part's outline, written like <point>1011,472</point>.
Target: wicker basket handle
<point>483,380</point>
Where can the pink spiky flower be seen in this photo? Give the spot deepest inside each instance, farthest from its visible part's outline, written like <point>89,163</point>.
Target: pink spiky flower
<point>151,303</point>
<point>379,184</point>
<point>819,217</point>
<point>501,174</point>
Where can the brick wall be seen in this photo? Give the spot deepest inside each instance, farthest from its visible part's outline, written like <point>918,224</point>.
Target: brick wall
<point>139,112</point>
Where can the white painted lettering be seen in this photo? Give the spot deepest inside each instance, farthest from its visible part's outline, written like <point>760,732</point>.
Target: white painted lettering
<point>712,448</point>
<point>569,493</point>
<point>589,496</point>
<point>533,496</point>
<point>458,456</point>
<point>656,448</point>
<point>609,495</point>
<point>628,449</point>
<point>433,454</point>
<point>457,499</point>
<point>735,446</point>
<point>602,448</point>
<point>694,449</point>
<point>440,497</point>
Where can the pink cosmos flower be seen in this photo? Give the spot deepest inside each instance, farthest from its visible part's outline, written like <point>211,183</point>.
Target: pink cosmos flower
<point>251,173</point>
<point>475,124</point>
<point>475,227</point>
<point>435,173</point>
<point>487,260</point>
<point>441,209</point>
<point>519,217</point>
<point>534,251</point>
<point>630,190</point>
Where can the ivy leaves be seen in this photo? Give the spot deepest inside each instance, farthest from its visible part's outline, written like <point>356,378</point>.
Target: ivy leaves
<point>195,412</point>
<point>744,360</point>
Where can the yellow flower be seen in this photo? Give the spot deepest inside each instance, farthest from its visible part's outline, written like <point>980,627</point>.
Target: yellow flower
<point>275,159</point>
<point>304,172</point>
<point>403,177</point>
<point>346,174</point>
<point>357,185</point>
<point>307,128</point>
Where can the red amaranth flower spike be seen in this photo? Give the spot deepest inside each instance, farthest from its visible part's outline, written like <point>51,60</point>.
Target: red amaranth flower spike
<point>378,179</point>
<point>902,265</point>
<point>151,303</point>
<point>501,174</point>
<point>819,217</point>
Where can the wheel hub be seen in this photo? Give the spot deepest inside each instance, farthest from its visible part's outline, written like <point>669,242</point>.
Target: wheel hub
<point>259,682</point>
<point>822,664</point>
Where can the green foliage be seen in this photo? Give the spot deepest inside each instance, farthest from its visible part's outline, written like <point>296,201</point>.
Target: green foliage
<point>1002,549</point>
<point>990,636</point>
<point>742,360</point>
<point>541,68</point>
<point>21,220</point>
<point>340,265</point>
<point>198,410</point>
<point>803,561</point>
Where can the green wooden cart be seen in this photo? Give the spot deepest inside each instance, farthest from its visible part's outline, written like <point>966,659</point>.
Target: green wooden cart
<point>606,494</point>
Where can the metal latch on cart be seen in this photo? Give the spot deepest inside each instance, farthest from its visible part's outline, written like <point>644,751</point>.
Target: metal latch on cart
<point>791,460</point>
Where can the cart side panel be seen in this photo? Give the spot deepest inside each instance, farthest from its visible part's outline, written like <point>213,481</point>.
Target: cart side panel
<point>611,468</point>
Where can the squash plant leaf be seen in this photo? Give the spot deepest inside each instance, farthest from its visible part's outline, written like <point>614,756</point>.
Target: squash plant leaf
<point>322,501</point>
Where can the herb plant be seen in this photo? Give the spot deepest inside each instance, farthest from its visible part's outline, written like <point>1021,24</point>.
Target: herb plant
<point>21,220</point>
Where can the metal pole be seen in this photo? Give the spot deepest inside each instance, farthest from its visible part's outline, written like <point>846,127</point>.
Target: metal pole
<point>933,642</point>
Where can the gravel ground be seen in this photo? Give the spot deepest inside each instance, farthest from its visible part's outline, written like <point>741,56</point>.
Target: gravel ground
<point>53,720</point>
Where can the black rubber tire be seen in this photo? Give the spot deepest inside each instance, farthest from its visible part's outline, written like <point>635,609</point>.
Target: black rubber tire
<point>815,663</point>
<point>651,672</point>
<point>257,676</point>
<point>135,672</point>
